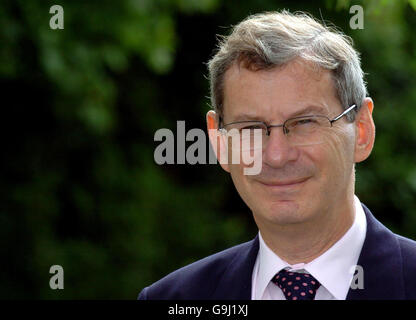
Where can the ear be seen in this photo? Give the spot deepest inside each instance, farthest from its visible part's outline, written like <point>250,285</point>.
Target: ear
<point>366,131</point>
<point>218,140</point>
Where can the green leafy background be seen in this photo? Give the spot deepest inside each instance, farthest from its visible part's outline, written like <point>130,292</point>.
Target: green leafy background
<point>79,185</point>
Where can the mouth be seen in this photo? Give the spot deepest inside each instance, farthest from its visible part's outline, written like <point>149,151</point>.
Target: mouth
<point>284,185</point>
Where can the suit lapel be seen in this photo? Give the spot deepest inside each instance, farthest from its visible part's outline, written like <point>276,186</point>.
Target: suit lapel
<point>381,261</point>
<point>235,283</point>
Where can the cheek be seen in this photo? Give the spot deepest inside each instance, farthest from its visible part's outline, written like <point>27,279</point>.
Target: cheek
<point>246,187</point>
<point>241,180</point>
<point>339,152</point>
<point>344,144</point>
<point>242,184</point>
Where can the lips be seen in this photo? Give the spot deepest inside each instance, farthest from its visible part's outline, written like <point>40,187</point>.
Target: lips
<point>284,186</point>
<point>284,183</point>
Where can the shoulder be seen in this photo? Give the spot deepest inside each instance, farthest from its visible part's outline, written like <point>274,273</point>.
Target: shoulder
<point>194,281</point>
<point>408,251</point>
<point>408,254</point>
<point>408,246</point>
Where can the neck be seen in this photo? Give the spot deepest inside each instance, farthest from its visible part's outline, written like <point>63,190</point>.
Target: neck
<point>304,242</point>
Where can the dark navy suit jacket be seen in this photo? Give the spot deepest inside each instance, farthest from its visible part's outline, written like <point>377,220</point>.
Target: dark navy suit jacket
<point>388,261</point>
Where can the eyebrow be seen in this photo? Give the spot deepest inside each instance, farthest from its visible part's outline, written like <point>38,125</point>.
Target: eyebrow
<point>311,109</point>
<point>315,109</point>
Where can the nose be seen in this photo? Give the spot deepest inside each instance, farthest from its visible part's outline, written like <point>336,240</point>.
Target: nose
<point>278,150</point>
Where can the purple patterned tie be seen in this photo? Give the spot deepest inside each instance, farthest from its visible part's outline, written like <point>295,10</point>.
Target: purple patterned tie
<point>295,285</point>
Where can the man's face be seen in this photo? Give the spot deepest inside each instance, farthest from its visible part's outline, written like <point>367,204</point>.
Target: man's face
<point>296,183</point>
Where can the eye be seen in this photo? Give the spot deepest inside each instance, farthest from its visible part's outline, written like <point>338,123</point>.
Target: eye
<point>303,122</point>
<point>252,127</point>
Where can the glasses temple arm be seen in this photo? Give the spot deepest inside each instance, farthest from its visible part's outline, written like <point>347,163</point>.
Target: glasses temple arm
<point>343,114</point>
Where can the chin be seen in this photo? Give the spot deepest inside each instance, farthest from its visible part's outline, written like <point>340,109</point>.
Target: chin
<point>283,212</point>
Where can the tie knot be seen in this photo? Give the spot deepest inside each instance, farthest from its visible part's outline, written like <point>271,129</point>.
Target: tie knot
<point>296,285</point>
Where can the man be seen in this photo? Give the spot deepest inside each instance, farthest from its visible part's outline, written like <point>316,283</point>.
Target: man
<point>300,84</point>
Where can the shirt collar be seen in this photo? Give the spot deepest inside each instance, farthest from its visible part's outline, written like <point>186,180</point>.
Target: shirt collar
<point>269,265</point>
<point>334,269</point>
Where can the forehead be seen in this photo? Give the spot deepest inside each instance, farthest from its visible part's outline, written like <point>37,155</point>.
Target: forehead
<point>274,94</point>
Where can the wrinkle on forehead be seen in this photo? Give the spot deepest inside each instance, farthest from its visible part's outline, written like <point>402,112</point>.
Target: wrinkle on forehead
<point>298,67</point>
<point>301,73</point>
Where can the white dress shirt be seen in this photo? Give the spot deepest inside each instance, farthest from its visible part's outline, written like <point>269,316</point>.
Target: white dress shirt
<point>334,269</point>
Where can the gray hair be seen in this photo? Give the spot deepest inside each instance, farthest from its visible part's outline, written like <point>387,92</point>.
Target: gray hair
<point>272,39</point>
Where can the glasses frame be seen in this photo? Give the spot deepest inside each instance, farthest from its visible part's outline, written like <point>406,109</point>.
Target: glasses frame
<point>283,125</point>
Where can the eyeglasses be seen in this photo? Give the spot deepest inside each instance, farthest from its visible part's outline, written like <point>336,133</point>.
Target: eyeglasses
<point>300,131</point>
